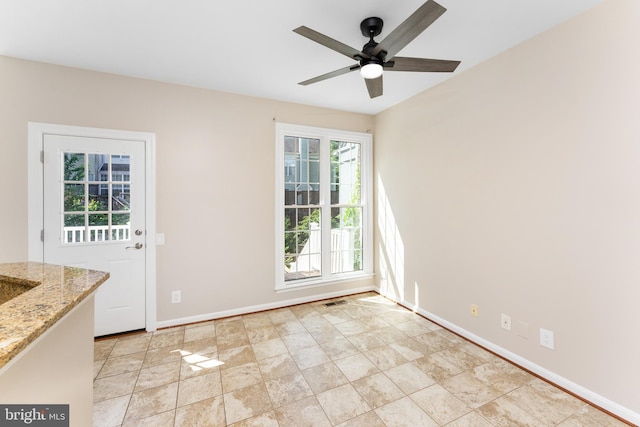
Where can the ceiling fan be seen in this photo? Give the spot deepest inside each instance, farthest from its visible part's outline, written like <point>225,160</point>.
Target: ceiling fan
<point>375,57</point>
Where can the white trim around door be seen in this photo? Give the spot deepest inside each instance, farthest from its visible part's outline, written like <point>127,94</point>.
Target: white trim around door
<point>36,133</point>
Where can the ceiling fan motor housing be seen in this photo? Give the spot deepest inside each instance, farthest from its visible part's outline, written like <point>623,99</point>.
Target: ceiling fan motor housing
<point>371,27</point>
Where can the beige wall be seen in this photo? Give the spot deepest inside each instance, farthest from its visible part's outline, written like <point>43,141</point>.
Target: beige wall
<point>516,186</point>
<point>215,175</point>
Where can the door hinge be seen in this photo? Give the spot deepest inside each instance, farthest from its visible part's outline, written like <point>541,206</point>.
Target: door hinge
<point>42,235</point>
<point>41,156</point>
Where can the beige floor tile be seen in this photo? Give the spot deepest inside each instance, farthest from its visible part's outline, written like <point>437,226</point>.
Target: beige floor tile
<point>230,326</point>
<point>152,401</point>
<point>206,346</point>
<point>545,401</point>
<point>97,366</point>
<point>439,404</point>
<point>378,390</point>
<point>269,348</point>
<point>167,337</point>
<point>102,348</point>
<point>122,364</point>
<point>434,342</point>
<point>412,328</point>
<point>368,419</point>
<point>588,416</point>
<point>231,340</point>
<point>114,386</point>
<point>461,359</point>
<point>236,356</point>
<point>198,388</point>
<point>404,413</point>
<point>158,375</point>
<point>470,390</point>
<point>256,320</point>
<point>366,341</point>
<point>129,345</point>
<point>162,355</point>
<point>262,333</point>
<point>351,327</point>
<point>277,366</point>
<point>339,348</point>
<point>298,341</point>
<point>472,419</point>
<point>288,389</point>
<point>325,333</point>
<point>204,413</point>
<point>385,357</point>
<point>283,315</point>
<point>263,369</point>
<point>410,349</point>
<point>291,327</point>
<point>437,366</point>
<point>240,377</point>
<point>205,364</point>
<point>316,321</point>
<point>342,403</point>
<point>503,413</point>
<point>109,413</point>
<point>336,315</point>
<point>356,367</point>
<point>246,403</point>
<point>164,419</point>
<point>409,377</point>
<point>501,375</point>
<point>207,331</point>
<point>390,334</point>
<point>324,377</point>
<point>268,419</point>
<point>306,412</point>
<point>309,357</point>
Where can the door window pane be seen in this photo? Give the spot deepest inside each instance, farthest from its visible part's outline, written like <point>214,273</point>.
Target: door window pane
<point>74,168</point>
<point>98,211</point>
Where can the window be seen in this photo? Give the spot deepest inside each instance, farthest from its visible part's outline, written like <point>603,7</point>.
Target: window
<point>95,211</point>
<point>323,205</point>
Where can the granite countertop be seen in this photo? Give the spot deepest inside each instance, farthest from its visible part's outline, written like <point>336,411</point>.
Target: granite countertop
<point>52,291</point>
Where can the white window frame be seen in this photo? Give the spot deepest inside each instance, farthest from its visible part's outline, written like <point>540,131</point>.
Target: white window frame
<point>366,193</point>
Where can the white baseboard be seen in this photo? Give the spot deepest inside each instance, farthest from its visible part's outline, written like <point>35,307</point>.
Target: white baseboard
<point>260,307</point>
<point>578,390</point>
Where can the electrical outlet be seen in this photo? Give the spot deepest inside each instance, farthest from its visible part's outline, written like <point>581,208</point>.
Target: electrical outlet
<point>505,321</point>
<point>176,297</point>
<point>474,310</point>
<point>546,338</point>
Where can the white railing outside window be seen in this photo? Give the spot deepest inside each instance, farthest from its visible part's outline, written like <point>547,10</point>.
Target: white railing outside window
<point>96,233</point>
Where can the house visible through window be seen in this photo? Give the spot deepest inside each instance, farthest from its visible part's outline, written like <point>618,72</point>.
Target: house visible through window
<point>324,204</point>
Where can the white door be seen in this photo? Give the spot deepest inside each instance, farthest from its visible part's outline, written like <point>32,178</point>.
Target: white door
<point>94,217</point>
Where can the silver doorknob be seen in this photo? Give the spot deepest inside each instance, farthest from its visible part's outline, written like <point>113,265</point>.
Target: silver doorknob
<point>138,232</point>
<point>137,246</point>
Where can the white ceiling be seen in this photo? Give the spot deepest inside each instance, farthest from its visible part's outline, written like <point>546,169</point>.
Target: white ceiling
<point>248,46</point>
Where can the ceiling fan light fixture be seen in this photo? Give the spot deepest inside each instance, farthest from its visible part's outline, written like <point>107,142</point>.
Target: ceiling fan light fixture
<point>371,70</point>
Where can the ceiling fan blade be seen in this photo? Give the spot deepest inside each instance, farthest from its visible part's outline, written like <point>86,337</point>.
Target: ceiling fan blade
<point>400,63</point>
<point>374,86</point>
<point>330,43</point>
<point>326,76</point>
<point>409,29</point>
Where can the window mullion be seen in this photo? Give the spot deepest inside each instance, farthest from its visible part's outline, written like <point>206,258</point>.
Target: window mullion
<point>325,203</point>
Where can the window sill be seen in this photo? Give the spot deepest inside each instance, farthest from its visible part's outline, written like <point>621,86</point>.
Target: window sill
<point>315,283</point>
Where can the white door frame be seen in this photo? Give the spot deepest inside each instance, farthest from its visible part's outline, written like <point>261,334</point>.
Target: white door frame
<point>35,182</point>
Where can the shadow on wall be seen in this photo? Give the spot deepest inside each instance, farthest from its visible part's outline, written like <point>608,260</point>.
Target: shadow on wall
<point>390,250</point>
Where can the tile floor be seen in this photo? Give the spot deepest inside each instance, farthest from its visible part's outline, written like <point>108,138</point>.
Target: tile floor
<point>367,362</point>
